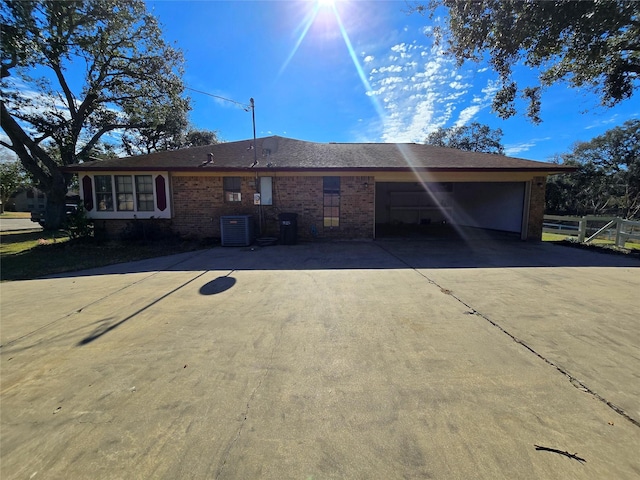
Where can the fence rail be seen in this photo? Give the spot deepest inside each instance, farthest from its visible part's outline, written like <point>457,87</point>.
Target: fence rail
<point>590,227</point>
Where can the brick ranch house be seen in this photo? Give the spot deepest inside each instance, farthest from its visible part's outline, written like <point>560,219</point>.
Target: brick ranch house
<point>337,190</point>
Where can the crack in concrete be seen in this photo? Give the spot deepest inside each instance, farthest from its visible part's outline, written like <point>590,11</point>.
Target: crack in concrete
<point>472,311</point>
<point>245,413</point>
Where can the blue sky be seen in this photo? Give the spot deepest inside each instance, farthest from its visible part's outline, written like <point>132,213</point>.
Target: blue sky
<point>368,74</point>
<point>353,71</point>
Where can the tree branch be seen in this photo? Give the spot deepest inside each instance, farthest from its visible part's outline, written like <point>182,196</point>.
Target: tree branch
<point>96,137</point>
<point>21,142</point>
<point>6,145</point>
<point>65,88</point>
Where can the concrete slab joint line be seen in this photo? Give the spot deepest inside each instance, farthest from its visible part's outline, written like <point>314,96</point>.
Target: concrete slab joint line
<point>245,414</point>
<point>327,360</point>
<point>573,380</point>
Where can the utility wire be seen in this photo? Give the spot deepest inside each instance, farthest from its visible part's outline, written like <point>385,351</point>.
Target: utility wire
<point>245,106</point>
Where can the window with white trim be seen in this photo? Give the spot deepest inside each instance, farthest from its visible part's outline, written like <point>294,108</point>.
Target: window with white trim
<point>124,193</point>
<point>144,193</point>
<point>132,193</point>
<point>104,193</point>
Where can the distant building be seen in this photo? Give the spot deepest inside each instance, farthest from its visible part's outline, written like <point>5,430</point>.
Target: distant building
<point>27,199</point>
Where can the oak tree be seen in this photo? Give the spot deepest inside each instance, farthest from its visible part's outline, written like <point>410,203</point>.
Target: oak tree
<point>607,179</point>
<point>75,72</point>
<point>474,137</point>
<point>12,177</point>
<point>593,44</point>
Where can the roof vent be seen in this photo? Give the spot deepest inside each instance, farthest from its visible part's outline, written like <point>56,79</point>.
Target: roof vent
<point>208,161</point>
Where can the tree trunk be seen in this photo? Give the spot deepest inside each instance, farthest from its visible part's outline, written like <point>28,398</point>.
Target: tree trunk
<point>56,198</point>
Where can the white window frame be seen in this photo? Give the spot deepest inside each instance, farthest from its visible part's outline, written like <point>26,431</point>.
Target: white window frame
<point>129,214</point>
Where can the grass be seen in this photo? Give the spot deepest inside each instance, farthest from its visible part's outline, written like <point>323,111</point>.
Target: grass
<point>605,245</point>
<point>15,215</point>
<point>28,255</point>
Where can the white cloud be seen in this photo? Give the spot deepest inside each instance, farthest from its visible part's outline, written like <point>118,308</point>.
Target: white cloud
<point>515,148</point>
<point>402,47</point>
<point>467,114</point>
<point>423,92</point>
<point>369,59</point>
<point>390,69</point>
<point>458,85</point>
<point>600,123</point>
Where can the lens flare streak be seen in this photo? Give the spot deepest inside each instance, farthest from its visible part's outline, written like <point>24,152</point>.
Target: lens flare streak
<point>311,16</point>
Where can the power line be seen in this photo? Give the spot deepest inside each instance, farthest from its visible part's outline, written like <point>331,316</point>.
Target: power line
<point>243,105</point>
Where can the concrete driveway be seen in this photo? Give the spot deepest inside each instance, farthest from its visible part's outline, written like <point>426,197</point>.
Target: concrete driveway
<point>387,359</point>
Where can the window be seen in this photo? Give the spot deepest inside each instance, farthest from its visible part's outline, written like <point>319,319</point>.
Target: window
<point>104,194</point>
<point>124,193</point>
<point>144,193</point>
<point>132,193</point>
<point>266,191</point>
<point>231,187</point>
<point>331,191</point>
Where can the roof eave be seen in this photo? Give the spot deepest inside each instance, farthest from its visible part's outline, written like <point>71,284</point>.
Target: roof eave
<point>541,169</point>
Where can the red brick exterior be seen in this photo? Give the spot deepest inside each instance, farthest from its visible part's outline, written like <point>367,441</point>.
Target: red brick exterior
<point>135,229</point>
<point>198,204</point>
<point>536,208</point>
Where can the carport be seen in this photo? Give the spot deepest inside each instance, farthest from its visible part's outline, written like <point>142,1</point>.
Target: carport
<point>430,207</point>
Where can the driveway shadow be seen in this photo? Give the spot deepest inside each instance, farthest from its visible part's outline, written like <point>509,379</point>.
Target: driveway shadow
<point>392,253</point>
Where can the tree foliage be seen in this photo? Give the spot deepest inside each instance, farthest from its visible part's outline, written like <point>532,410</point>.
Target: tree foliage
<point>474,138</point>
<point>75,71</point>
<point>144,141</point>
<point>199,138</point>
<point>12,177</point>
<point>608,177</point>
<point>594,44</point>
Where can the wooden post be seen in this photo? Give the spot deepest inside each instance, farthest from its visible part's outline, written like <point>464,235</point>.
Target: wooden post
<point>619,237</point>
<point>582,229</point>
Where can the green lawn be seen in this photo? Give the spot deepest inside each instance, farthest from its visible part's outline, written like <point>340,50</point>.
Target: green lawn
<point>554,237</point>
<point>27,255</point>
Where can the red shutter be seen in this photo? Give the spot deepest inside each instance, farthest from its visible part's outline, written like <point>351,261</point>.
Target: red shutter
<point>87,189</point>
<point>161,193</point>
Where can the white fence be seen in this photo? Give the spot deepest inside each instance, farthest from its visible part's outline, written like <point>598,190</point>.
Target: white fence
<point>590,227</point>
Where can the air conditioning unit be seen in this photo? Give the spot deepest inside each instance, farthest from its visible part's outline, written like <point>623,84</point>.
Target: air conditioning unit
<point>236,230</point>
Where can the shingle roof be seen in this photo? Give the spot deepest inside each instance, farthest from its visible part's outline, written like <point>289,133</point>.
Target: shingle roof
<point>280,153</point>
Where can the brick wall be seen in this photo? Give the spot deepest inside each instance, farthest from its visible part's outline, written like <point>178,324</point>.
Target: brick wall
<point>150,229</point>
<point>198,204</point>
<point>536,208</point>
